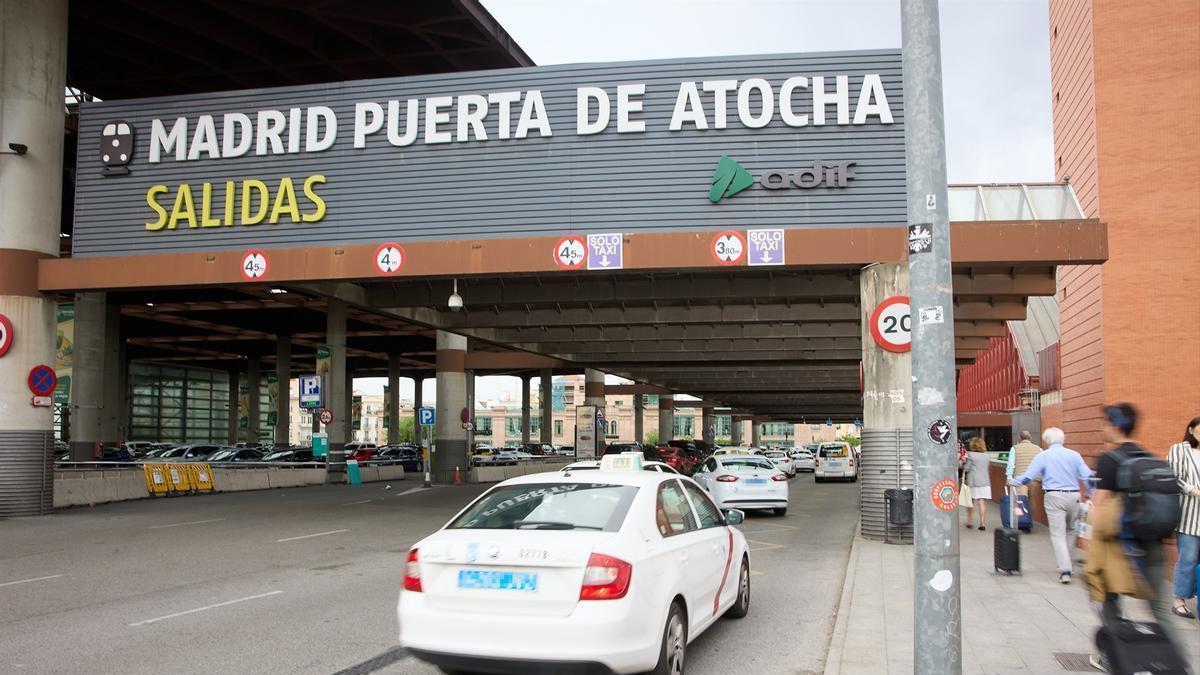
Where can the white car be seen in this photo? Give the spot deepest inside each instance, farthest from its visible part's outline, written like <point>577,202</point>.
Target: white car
<point>739,450</point>
<point>553,573</point>
<point>835,461</point>
<point>803,460</point>
<point>782,461</point>
<point>744,482</point>
<point>594,465</point>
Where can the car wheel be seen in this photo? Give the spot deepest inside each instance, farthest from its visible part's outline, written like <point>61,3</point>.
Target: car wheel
<point>781,512</point>
<point>818,479</point>
<point>674,643</point>
<point>741,606</point>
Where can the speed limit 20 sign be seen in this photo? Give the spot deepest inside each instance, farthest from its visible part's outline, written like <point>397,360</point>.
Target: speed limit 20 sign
<point>891,324</point>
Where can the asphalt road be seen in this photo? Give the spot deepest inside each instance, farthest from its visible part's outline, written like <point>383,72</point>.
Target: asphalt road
<point>305,581</point>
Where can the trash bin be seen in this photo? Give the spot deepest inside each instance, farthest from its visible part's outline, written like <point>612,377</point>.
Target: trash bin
<point>899,506</point>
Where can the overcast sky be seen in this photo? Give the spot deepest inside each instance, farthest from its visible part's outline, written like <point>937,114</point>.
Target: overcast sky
<point>995,64</point>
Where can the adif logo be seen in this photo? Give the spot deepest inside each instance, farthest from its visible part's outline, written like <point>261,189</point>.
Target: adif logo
<point>731,178</point>
<point>116,147</point>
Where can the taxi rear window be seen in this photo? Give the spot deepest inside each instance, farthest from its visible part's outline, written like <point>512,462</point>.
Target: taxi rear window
<point>549,506</point>
<point>834,451</point>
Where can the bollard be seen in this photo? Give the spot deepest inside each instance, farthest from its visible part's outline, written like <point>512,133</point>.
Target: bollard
<point>428,483</point>
<point>457,476</point>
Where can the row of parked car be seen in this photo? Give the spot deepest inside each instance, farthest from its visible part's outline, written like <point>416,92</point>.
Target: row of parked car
<point>407,455</point>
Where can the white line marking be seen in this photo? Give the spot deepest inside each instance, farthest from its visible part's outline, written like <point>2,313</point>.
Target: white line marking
<point>201,609</point>
<point>28,581</point>
<point>412,490</point>
<point>309,536</point>
<point>193,522</point>
<point>365,501</point>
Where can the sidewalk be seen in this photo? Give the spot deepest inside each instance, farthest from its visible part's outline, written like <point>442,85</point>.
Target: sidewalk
<point>1011,624</point>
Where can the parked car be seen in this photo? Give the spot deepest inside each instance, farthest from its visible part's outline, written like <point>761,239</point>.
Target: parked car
<point>744,482</point>
<point>594,465</point>
<point>538,449</point>
<point>836,461</point>
<point>360,453</point>
<point>650,453</point>
<point>236,455</point>
<point>565,450</point>
<point>139,448</point>
<point>803,460</point>
<point>782,461</point>
<point>113,454</point>
<point>406,456</point>
<point>290,455</point>
<point>678,459</point>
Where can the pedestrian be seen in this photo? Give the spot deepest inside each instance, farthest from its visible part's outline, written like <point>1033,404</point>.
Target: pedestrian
<point>1061,470</point>
<point>1114,472</point>
<point>1184,459</point>
<point>1019,458</point>
<point>976,478</point>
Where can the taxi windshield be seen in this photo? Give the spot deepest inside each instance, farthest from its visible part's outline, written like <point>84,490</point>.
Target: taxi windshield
<point>549,506</point>
<point>834,451</point>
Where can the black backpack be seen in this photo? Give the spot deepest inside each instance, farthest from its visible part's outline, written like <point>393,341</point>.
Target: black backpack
<point>1151,495</point>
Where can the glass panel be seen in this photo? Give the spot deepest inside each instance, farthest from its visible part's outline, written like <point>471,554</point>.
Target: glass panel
<point>1052,202</point>
<point>964,204</point>
<point>1006,203</point>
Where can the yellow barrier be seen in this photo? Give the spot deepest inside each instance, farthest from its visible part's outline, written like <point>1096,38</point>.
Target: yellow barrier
<point>201,476</point>
<point>178,478</point>
<point>156,478</point>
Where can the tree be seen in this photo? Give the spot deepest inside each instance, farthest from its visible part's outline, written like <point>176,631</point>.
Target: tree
<point>650,438</point>
<point>851,439</point>
<point>406,431</point>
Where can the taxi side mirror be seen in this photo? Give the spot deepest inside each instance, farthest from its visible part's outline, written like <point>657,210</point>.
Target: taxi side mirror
<point>734,516</point>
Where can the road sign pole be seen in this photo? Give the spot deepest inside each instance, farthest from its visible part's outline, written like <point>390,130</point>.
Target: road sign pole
<point>938,635</point>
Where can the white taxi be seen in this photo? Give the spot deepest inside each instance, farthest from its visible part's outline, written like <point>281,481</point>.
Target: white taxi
<point>744,482</point>
<point>835,461</point>
<point>608,571</point>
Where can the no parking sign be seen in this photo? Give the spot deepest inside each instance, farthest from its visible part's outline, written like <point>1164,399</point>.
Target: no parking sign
<point>42,380</point>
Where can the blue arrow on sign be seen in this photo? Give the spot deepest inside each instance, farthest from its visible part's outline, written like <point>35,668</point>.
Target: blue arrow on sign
<point>426,416</point>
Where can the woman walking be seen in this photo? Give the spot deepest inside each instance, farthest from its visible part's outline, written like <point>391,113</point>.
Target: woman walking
<point>1184,459</point>
<point>977,478</point>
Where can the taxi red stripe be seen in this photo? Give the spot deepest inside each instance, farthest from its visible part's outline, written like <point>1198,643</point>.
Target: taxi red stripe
<point>725,574</point>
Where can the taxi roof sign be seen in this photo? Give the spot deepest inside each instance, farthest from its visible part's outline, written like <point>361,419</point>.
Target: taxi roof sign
<point>625,461</point>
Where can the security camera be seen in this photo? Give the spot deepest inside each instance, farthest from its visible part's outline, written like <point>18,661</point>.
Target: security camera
<point>18,148</point>
<point>455,302</point>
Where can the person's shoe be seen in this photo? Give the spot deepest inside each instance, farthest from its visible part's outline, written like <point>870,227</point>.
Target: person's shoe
<point>1064,578</point>
<point>981,528</point>
<point>1094,659</point>
<point>1182,612</point>
<point>969,526</point>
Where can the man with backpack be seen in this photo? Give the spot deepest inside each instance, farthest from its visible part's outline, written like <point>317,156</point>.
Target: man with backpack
<point>1147,486</point>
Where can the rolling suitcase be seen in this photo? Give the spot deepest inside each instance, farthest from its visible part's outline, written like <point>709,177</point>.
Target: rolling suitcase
<point>1007,554</point>
<point>1024,516</point>
<point>1133,648</point>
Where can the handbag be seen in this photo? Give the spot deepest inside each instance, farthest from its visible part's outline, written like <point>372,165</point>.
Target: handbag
<point>964,496</point>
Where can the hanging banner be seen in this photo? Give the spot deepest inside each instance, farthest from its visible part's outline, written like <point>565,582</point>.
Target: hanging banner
<point>356,413</point>
<point>272,397</point>
<point>243,407</point>
<point>585,432</point>
<point>64,348</point>
<point>387,410</point>
<point>324,361</point>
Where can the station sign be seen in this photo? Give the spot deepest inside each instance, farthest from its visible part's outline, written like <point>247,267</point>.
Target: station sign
<point>312,392</point>
<point>798,141</point>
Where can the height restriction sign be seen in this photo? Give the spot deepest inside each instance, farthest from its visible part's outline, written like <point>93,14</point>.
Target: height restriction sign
<point>254,264</point>
<point>891,324</point>
<point>570,253</point>
<point>729,248</point>
<point>388,258</point>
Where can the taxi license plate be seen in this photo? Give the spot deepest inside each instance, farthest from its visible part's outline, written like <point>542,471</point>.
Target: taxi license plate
<point>756,481</point>
<point>497,581</point>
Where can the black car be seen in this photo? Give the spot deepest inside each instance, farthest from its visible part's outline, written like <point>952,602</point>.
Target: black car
<point>406,456</point>
<point>291,455</point>
<point>236,455</point>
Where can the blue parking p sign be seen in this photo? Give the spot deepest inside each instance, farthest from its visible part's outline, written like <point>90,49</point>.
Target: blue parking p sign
<point>426,417</point>
<point>311,396</point>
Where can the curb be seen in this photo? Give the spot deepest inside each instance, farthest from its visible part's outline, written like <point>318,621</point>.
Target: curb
<point>837,643</point>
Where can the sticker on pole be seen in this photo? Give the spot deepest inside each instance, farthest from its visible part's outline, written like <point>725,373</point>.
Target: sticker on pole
<point>729,248</point>
<point>326,416</point>
<point>920,238</point>
<point>6,334</point>
<point>42,380</point>
<point>605,252</point>
<point>940,431</point>
<point>891,324</point>
<point>570,253</point>
<point>766,247</point>
<point>254,264</point>
<point>388,258</point>
<point>944,494</point>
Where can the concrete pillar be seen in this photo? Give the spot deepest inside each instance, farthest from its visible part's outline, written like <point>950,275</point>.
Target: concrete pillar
<point>708,423</point>
<point>470,409</point>
<point>886,453</point>
<point>393,402</point>
<point>335,339</point>
<point>593,394</point>
<point>639,415</point>
<point>111,425</point>
<point>451,445</point>
<point>755,432</point>
<point>87,376</point>
<point>33,57</point>
<point>351,435</point>
<point>232,435</point>
<point>283,397</point>
<point>666,418</point>
<point>736,429</point>
<point>547,399</point>
<point>526,430</point>
<point>418,392</point>
<point>254,384</point>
